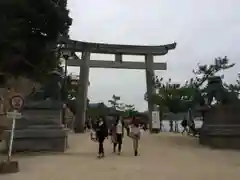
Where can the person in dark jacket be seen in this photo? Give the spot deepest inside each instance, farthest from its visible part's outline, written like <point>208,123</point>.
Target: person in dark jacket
<point>101,133</point>
<point>117,133</point>
<point>184,125</point>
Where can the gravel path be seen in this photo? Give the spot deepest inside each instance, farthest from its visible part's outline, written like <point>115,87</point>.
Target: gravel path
<point>162,157</point>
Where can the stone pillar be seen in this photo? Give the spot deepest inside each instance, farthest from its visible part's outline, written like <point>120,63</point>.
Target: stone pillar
<point>150,87</point>
<point>81,104</point>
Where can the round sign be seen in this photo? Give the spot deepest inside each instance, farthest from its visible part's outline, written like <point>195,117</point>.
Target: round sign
<point>17,102</point>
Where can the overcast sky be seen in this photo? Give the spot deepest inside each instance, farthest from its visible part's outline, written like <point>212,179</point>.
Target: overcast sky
<point>202,29</point>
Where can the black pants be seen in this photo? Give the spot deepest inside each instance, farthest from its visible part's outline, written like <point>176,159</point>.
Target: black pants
<point>184,130</point>
<point>101,148</point>
<point>118,142</point>
<point>128,131</point>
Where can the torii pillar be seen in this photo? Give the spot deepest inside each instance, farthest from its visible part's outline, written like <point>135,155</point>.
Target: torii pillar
<point>150,86</point>
<point>82,93</point>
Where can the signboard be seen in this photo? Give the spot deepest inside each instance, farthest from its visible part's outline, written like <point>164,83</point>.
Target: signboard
<point>17,102</point>
<point>14,115</point>
<point>155,120</point>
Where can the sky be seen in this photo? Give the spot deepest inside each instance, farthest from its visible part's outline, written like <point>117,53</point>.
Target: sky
<point>203,31</point>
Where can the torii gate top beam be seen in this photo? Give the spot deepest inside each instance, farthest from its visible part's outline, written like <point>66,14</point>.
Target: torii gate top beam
<point>80,46</point>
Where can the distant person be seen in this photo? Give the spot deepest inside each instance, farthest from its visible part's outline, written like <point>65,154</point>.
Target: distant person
<point>171,126</point>
<point>176,129</point>
<point>128,129</point>
<point>127,126</point>
<point>144,127</point>
<point>184,124</point>
<point>135,134</point>
<point>94,124</point>
<point>161,126</point>
<point>192,129</point>
<point>117,133</point>
<point>101,134</point>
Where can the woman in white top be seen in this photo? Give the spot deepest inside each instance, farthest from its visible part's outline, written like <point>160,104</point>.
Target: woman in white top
<point>117,134</point>
<point>135,134</point>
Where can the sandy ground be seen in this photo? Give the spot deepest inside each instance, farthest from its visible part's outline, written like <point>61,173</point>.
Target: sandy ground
<point>163,157</point>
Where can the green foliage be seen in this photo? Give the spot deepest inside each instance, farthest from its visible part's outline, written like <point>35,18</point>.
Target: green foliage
<point>28,29</point>
<point>171,96</point>
<point>234,88</point>
<point>129,107</point>
<point>177,98</point>
<point>115,102</point>
<point>129,110</point>
<point>126,109</point>
<point>203,72</point>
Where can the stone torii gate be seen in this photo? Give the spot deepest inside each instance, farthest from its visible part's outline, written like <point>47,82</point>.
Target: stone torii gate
<point>86,48</point>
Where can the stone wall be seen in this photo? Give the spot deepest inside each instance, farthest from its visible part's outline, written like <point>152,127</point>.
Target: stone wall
<point>42,114</point>
<point>21,86</point>
<point>221,127</point>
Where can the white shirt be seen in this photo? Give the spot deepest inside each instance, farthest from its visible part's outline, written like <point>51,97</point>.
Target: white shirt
<point>119,128</point>
<point>135,130</point>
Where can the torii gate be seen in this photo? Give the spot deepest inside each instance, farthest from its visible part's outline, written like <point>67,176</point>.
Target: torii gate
<point>118,50</point>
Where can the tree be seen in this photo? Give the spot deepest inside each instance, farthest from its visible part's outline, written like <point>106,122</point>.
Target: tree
<point>115,102</point>
<point>125,109</point>
<point>203,72</point>
<point>129,107</point>
<point>29,33</point>
<point>170,96</point>
<point>129,110</point>
<point>234,88</point>
<point>179,98</point>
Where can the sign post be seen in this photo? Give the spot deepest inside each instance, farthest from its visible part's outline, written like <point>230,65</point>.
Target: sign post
<point>155,121</point>
<point>12,115</point>
<point>10,166</point>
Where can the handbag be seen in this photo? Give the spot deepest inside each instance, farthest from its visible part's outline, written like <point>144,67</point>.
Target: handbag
<point>93,136</point>
<point>113,138</point>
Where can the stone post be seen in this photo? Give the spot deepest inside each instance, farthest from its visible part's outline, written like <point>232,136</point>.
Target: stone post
<point>150,85</point>
<point>81,104</point>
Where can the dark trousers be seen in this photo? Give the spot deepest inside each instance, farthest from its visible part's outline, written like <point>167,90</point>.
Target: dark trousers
<point>118,142</point>
<point>128,131</point>
<point>101,148</point>
<point>185,129</point>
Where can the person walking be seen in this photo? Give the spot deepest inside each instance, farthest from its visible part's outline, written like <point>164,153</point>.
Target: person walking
<point>176,129</point>
<point>101,134</point>
<point>135,134</point>
<point>161,126</point>
<point>117,134</point>
<point>171,125</point>
<point>184,125</point>
<point>127,126</point>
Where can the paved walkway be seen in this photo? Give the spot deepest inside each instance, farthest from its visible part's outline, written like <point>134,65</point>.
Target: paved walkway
<point>164,157</point>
